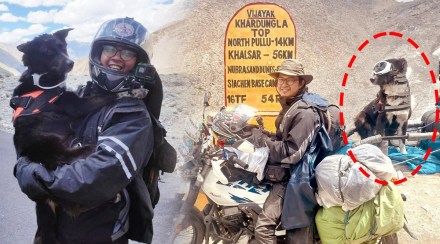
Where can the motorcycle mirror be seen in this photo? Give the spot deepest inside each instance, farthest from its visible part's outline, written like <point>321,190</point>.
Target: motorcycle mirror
<point>207,99</point>
<point>260,122</point>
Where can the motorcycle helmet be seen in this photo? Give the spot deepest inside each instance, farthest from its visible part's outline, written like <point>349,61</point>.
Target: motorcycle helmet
<point>125,32</point>
<point>232,122</point>
<point>428,119</point>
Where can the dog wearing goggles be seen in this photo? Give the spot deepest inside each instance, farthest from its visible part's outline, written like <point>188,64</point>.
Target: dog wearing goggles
<point>43,114</point>
<point>387,114</point>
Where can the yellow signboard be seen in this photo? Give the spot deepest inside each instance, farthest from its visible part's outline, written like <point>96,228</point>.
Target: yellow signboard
<point>258,38</point>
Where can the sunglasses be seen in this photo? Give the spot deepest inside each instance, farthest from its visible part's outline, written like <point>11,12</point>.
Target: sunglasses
<point>111,51</point>
<point>290,81</point>
<point>382,67</point>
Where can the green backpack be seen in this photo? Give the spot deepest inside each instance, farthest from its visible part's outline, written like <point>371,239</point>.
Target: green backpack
<point>381,216</point>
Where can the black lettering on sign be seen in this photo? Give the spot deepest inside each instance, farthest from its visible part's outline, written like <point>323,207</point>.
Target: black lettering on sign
<point>261,42</point>
<point>241,69</point>
<point>260,23</point>
<point>270,98</point>
<point>236,98</point>
<point>260,32</point>
<point>282,54</point>
<point>284,41</point>
<point>269,83</point>
<point>244,54</point>
<point>250,83</point>
<point>257,83</point>
<point>238,42</point>
<point>260,14</point>
<point>239,83</point>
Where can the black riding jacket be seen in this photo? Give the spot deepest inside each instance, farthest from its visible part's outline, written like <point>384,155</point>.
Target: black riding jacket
<point>123,135</point>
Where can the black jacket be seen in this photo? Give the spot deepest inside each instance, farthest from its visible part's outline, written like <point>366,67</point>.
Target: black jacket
<point>123,135</point>
<point>297,144</point>
<point>294,136</point>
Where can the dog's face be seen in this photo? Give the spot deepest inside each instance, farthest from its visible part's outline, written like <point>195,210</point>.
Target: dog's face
<point>384,71</point>
<point>47,54</point>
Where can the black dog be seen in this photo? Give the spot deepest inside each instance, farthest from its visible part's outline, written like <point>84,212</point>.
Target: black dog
<point>388,114</point>
<point>44,112</point>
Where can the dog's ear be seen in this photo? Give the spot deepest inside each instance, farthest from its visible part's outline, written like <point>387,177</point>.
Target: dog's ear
<point>62,34</point>
<point>403,66</point>
<point>23,47</point>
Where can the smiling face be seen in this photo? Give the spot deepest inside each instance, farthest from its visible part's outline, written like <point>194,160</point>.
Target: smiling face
<point>116,62</point>
<point>289,86</point>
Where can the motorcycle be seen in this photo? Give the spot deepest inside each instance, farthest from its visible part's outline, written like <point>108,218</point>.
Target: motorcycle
<point>223,201</point>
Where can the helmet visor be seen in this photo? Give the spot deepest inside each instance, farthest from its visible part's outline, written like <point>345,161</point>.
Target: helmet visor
<point>110,80</point>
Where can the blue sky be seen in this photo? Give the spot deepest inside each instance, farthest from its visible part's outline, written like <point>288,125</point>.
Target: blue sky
<point>21,20</point>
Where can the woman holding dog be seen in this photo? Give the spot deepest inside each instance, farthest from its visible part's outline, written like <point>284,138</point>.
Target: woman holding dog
<point>110,182</point>
<point>294,131</point>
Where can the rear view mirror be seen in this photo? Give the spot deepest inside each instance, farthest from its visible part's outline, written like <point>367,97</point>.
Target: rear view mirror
<point>207,99</point>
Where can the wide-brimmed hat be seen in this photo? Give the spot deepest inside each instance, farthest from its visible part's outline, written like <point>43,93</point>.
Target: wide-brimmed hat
<point>292,67</point>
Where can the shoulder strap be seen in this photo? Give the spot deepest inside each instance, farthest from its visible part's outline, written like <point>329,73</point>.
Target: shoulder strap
<point>288,114</point>
<point>329,119</point>
<point>159,131</point>
<point>322,112</point>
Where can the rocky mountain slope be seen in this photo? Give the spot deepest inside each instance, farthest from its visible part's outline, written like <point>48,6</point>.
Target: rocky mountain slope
<point>10,60</point>
<point>328,34</point>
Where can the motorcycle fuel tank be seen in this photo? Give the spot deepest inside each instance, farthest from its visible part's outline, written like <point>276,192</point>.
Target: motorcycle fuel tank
<point>233,193</point>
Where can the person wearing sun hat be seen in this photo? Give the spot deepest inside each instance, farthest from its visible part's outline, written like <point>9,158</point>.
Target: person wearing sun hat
<point>294,132</point>
<point>292,67</point>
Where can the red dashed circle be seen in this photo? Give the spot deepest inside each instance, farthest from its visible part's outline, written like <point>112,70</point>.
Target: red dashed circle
<point>341,103</point>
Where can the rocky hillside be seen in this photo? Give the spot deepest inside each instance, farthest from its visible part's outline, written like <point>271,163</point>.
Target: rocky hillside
<point>10,61</point>
<point>328,34</point>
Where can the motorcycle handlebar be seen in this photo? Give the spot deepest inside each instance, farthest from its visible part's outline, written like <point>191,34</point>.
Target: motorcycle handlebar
<point>234,159</point>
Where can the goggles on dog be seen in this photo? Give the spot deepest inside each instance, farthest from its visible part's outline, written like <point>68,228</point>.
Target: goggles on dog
<point>111,51</point>
<point>382,67</point>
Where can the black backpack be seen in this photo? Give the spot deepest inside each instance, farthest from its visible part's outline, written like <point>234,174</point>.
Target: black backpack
<point>164,159</point>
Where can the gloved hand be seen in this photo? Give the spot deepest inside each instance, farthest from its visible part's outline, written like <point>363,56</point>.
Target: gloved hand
<point>268,133</point>
<point>269,141</point>
<point>31,177</point>
<point>259,137</point>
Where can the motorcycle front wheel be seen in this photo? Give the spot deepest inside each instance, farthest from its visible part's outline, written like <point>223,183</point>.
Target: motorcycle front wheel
<point>194,230</point>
